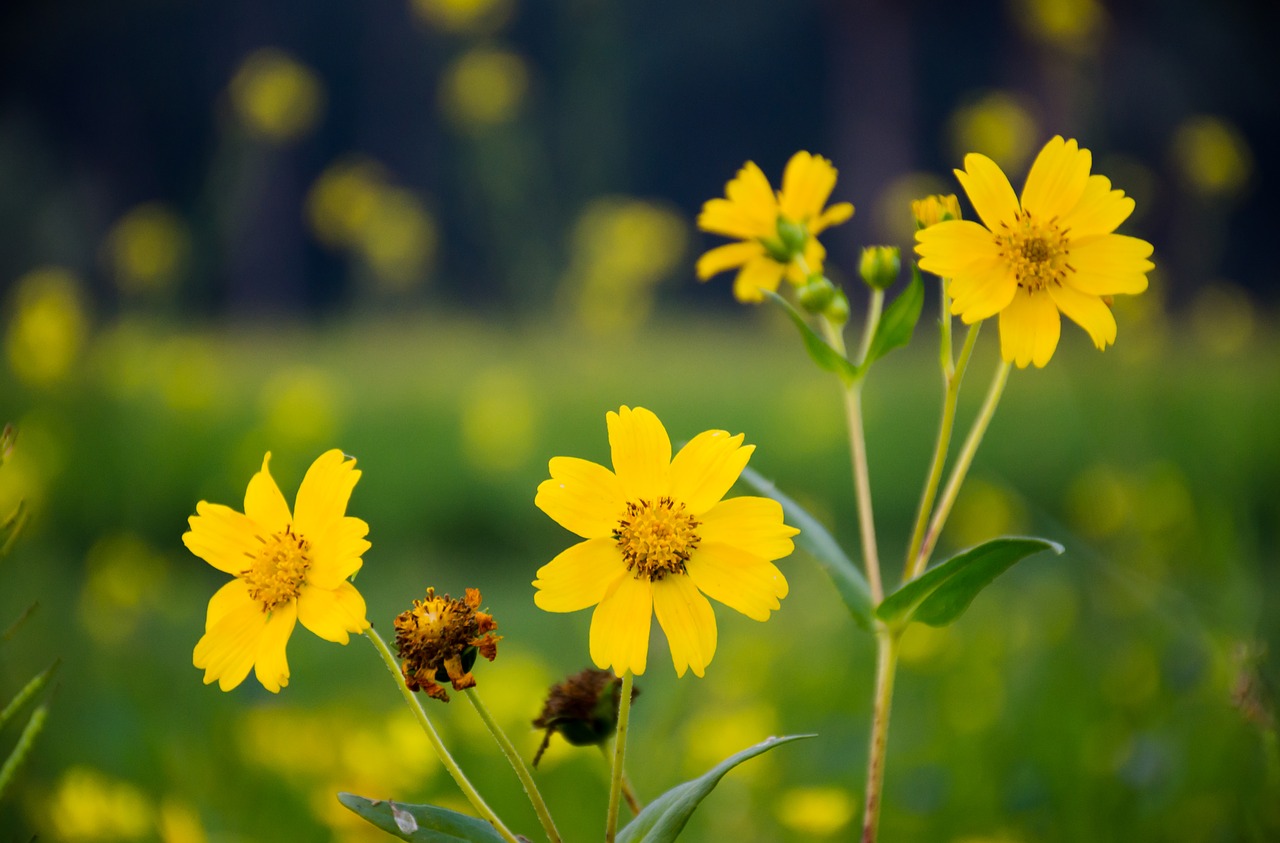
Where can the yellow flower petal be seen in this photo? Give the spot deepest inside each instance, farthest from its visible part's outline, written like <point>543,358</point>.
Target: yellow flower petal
<point>271,666</point>
<point>581,496</point>
<point>1099,211</point>
<point>580,576</point>
<point>748,523</point>
<point>1111,265</point>
<point>227,651</point>
<point>750,190</point>
<point>263,502</point>
<point>983,293</point>
<point>706,468</point>
<point>988,189</point>
<point>1057,179</point>
<point>620,627</point>
<point>807,181</point>
<point>956,248</point>
<point>1029,329</point>
<point>324,493</point>
<point>834,215</point>
<point>738,579</point>
<point>222,537</point>
<point>232,596</point>
<point>332,613</point>
<point>761,273</point>
<point>336,552</point>
<point>724,258</point>
<point>721,216</point>
<point>1089,312</point>
<point>641,453</point>
<point>688,622</point>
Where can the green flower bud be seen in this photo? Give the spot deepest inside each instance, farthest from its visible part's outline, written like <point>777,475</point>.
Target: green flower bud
<point>880,266</point>
<point>838,311</point>
<point>794,236</point>
<point>776,250</point>
<point>817,293</point>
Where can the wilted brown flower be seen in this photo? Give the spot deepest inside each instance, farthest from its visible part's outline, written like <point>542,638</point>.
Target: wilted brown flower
<point>438,640</point>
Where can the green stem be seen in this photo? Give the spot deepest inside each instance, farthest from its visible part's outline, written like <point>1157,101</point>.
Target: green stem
<point>517,764</point>
<point>858,447</point>
<point>628,793</point>
<point>873,322</point>
<point>415,705</point>
<point>963,462</point>
<point>944,348</point>
<point>952,376</point>
<point>619,756</point>
<point>886,666</point>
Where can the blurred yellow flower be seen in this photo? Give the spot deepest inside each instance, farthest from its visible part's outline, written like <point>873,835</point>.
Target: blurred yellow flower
<point>1050,251</point>
<point>275,96</point>
<point>816,811</point>
<point>658,538</point>
<point>484,87</point>
<point>779,232</point>
<point>932,210</point>
<point>48,326</point>
<point>147,248</point>
<point>297,570</point>
<point>465,16</point>
<point>1212,156</point>
<point>999,125</point>
<point>89,806</point>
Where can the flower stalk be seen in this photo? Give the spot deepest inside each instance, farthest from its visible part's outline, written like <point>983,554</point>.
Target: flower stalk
<point>886,666</point>
<point>433,737</point>
<point>517,764</point>
<point>619,757</point>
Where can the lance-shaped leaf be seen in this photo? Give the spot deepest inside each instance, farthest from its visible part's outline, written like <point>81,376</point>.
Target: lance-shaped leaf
<point>9,770</point>
<point>664,818</point>
<point>422,823</point>
<point>28,692</point>
<point>898,322</point>
<point>819,349</point>
<point>820,544</point>
<point>942,593</point>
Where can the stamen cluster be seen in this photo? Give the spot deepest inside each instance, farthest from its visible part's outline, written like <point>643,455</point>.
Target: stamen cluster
<point>279,569</point>
<point>438,640</point>
<point>656,538</point>
<point>1036,251</point>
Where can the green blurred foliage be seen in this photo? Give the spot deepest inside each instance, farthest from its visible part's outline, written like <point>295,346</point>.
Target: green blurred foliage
<point>1097,695</point>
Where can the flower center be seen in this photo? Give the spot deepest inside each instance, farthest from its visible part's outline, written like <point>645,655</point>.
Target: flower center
<point>656,538</point>
<point>1036,250</point>
<point>279,569</point>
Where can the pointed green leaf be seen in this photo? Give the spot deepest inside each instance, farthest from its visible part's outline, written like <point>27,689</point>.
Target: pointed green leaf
<point>664,818</point>
<point>898,321</point>
<point>9,770</point>
<point>942,593</point>
<point>27,693</point>
<point>821,352</point>
<point>425,823</point>
<point>820,544</point>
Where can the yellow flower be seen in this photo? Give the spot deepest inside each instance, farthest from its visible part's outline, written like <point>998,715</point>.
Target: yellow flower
<point>1052,250</point>
<point>779,232</point>
<point>657,538</point>
<point>932,210</point>
<point>287,568</point>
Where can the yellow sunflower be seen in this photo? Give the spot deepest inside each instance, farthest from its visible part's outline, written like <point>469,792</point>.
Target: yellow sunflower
<point>287,568</point>
<point>1052,250</point>
<point>779,233</point>
<point>658,538</point>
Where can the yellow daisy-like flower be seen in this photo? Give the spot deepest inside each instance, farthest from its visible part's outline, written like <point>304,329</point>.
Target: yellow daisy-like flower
<point>1052,250</point>
<point>288,567</point>
<point>658,538</point>
<point>776,230</point>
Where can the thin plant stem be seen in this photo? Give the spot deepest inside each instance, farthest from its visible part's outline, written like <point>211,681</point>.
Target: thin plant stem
<point>886,666</point>
<point>874,308</point>
<point>517,764</point>
<point>415,705</point>
<point>628,793</point>
<point>619,756</point>
<point>944,323</point>
<point>951,393</point>
<point>963,461</point>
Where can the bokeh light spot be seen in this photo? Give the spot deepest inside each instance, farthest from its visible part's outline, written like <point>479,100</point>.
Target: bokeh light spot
<point>484,87</point>
<point>1212,157</point>
<point>276,97</point>
<point>48,328</point>
<point>997,125</point>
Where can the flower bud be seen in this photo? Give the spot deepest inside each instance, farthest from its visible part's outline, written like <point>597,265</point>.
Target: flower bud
<point>935,209</point>
<point>794,236</point>
<point>838,311</point>
<point>817,293</point>
<point>880,266</point>
<point>583,709</point>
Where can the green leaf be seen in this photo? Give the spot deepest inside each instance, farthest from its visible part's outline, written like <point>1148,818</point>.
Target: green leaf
<point>820,544</point>
<point>27,693</point>
<point>821,352</point>
<point>942,593</point>
<point>898,322</point>
<point>35,723</point>
<point>664,818</point>
<point>421,822</point>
